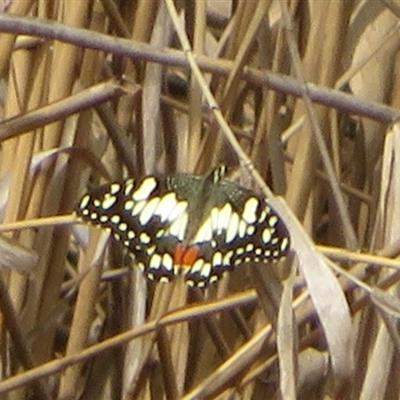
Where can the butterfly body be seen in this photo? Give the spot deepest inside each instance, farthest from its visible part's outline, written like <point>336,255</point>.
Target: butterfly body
<point>196,226</point>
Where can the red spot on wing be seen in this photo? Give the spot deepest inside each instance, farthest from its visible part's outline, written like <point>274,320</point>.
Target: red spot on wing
<point>185,256</point>
<point>191,254</point>
<point>178,254</point>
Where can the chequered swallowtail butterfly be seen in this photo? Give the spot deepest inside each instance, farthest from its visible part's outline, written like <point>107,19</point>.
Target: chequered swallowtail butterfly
<point>197,226</point>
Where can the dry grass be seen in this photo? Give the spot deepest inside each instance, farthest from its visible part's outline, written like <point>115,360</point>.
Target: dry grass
<point>99,91</point>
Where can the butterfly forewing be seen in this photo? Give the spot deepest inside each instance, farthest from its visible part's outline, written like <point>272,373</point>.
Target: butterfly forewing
<point>244,229</point>
<point>198,226</point>
<point>140,215</point>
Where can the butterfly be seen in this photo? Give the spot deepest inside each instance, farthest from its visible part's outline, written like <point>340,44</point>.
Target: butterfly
<point>197,226</point>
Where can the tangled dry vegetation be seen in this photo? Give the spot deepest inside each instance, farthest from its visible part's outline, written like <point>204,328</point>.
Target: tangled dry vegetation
<point>106,89</point>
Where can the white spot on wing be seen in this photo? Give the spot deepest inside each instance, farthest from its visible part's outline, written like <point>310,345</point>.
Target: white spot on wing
<point>197,266</point>
<point>284,244</point>
<point>160,233</point>
<point>272,221</point>
<point>128,205</point>
<point>85,201</point>
<point>250,230</point>
<point>204,234</point>
<point>155,261</point>
<point>250,210</point>
<point>167,262</point>
<point>166,206</point>
<point>213,278</point>
<point>224,217</point>
<point>115,219</point>
<point>266,235</point>
<point>178,210</point>
<point>148,211</point>
<point>140,266</point>
<point>239,251</point>
<point>108,202</point>
<point>227,258</point>
<point>206,270</point>
<point>232,229</point>
<point>145,188</point>
<point>178,226</point>
<point>250,247</point>
<point>138,207</point>
<point>123,226</point>
<point>242,228</point>
<point>263,215</point>
<point>214,217</point>
<point>217,258</point>
<point>144,238</point>
<point>115,188</point>
<point>128,187</point>
<point>150,250</point>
